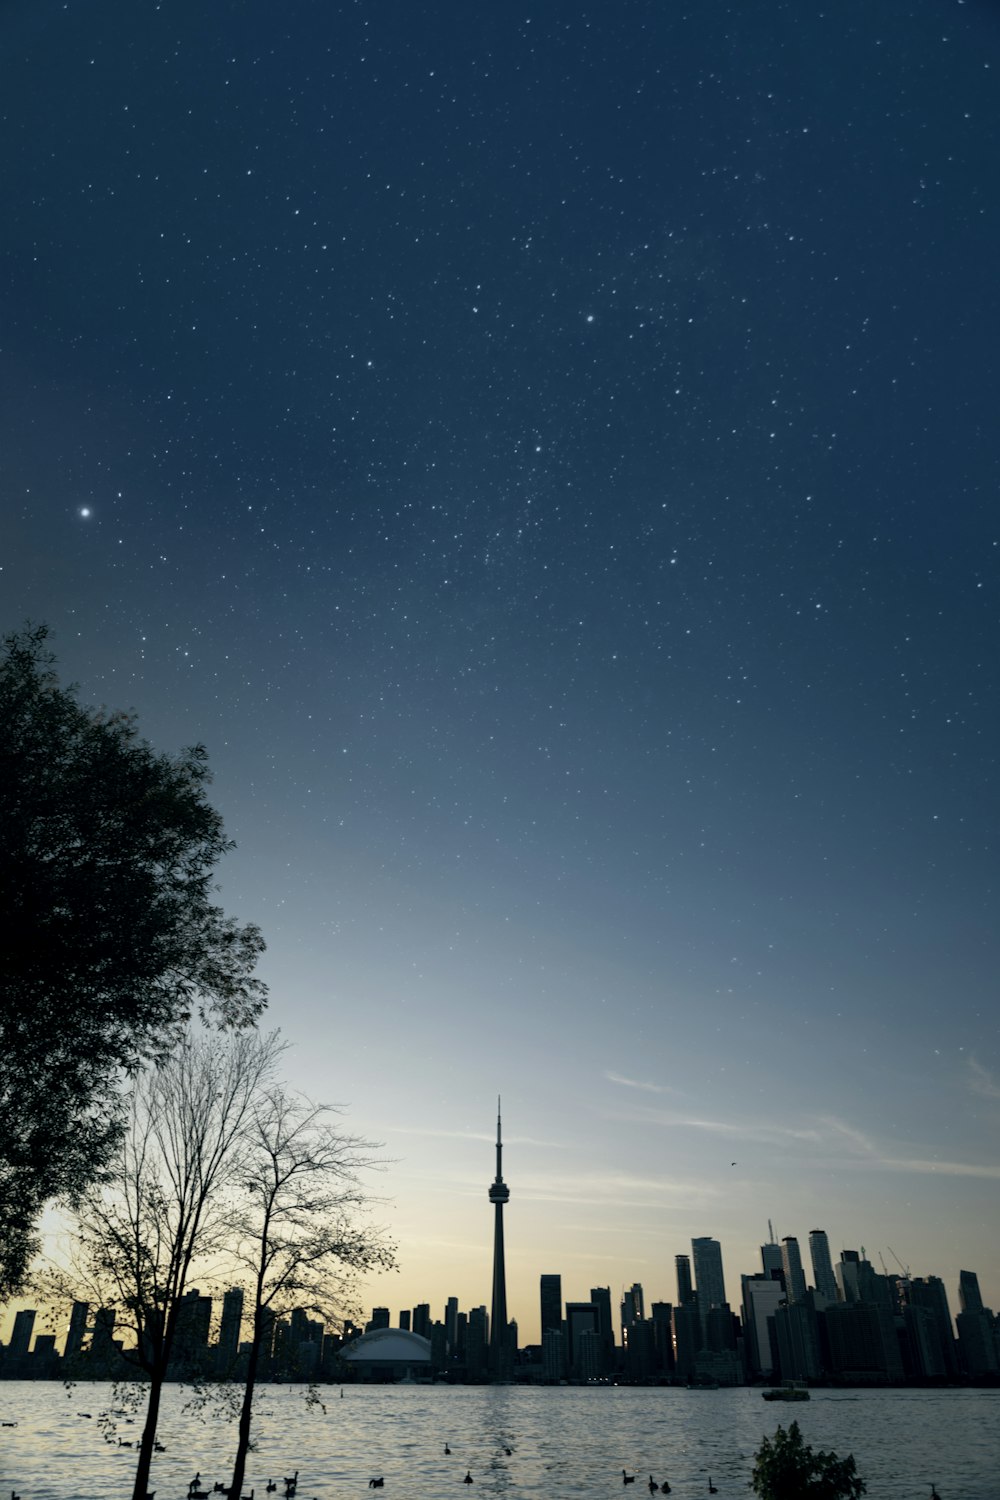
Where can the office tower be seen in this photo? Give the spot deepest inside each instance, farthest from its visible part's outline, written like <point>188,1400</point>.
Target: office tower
<point>847,1276</point>
<point>791,1261</point>
<point>709,1284</point>
<point>687,1339</point>
<point>422,1320</point>
<point>928,1292</point>
<point>477,1343</point>
<point>451,1323</point>
<point>500,1353</point>
<point>77,1329</point>
<point>228,1346</point>
<point>639,1352</point>
<point>685,1287</point>
<point>581,1317</point>
<point>404,1319</point>
<point>823,1278</point>
<point>633,1307</point>
<point>378,1319</point>
<point>770,1256</point>
<point>761,1298</point>
<point>553,1355</point>
<point>551,1303</point>
<point>797,1327</point>
<point>24,1323</point>
<point>969,1296</point>
<point>600,1296</point>
<point>663,1336</point>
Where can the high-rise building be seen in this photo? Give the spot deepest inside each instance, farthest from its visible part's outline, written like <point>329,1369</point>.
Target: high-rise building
<point>969,1296</point>
<point>685,1286</point>
<point>770,1257</point>
<point>550,1288</point>
<point>709,1282</point>
<point>847,1276</point>
<point>819,1252</point>
<point>228,1346</point>
<point>501,1360</point>
<point>77,1329</point>
<point>761,1298</point>
<point>378,1319</point>
<point>791,1261</point>
<point>633,1308</point>
<point>929,1292</point>
<point>451,1324</point>
<point>581,1317</point>
<point>477,1343</point>
<point>24,1324</point>
<point>600,1296</point>
<point>421,1322</point>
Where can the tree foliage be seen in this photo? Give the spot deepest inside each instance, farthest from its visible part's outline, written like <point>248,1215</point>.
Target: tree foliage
<point>786,1468</point>
<point>112,938</point>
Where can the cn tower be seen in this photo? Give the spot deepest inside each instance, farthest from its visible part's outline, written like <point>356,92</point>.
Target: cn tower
<point>499,1337</point>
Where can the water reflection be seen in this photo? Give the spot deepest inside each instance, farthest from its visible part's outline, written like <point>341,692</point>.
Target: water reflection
<point>559,1441</point>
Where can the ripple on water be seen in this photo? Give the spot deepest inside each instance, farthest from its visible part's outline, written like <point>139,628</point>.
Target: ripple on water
<point>562,1440</point>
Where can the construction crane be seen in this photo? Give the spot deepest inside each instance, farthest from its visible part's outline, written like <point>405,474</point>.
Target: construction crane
<point>905,1269</point>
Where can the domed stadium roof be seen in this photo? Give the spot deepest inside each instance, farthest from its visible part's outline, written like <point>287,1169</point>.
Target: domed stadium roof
<point>391,1345</point>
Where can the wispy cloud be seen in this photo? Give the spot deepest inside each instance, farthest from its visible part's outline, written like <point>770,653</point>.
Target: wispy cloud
<point>941,1168</point>
<point>638,1083</point>
<point>981,1081</point>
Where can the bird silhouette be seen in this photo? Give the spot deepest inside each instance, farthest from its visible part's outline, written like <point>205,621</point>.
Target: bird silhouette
<point>627,1478</point>
<point>446,1448</point>
<point>468,1477</point>
<point>271,1486</point>
<point>711,1487</point>
<point>653,1486</point>
<point>376,1484</point>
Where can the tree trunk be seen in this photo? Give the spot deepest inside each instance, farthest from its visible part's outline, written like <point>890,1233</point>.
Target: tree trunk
<point>246,1415</point>
<point>141,1489</point>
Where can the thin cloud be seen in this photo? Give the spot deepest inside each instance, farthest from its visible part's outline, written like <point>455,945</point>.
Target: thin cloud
<point>981,1081</point>
<point>940,1168</point>
<point>638,1083</point>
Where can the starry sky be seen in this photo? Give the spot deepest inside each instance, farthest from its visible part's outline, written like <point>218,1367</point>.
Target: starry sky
<point>548,453</point>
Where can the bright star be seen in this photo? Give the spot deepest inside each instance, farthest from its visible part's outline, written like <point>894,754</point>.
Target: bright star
<point>85,512</point>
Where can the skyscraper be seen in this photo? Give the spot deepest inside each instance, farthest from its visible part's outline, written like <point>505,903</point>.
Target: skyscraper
<point>500,1361</point>
<point>550,1289</point>
<point>709,1282</point>
<point>969,1296</point>
<point>819,1252</point>
<point>795,1277</point>
<point>228,1344</point>
<point>685,1288</point>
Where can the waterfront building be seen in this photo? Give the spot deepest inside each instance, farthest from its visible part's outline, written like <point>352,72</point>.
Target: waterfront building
<point>791,1264</point>
<point>771,1262</point>
<point>685,1286</point>
<point>663,1336</point>
<point>77,1329</point>
<point>550,1296</point>
<point>969,1296</point>
<point>819,1253</point>
<point>20,1339</point>
<point>797,1328</point>
<point>228,1346</point>
<point>600,1296</point>
<point>709,1282</point>
<point>554,1364</point>
<point>762,1296</point>
<point>929,1292</point>
<point>421,1323</point>
<point>501,1354</point>
<point>581,1317</point>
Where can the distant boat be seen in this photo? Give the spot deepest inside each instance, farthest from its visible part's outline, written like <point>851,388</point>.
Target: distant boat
<point>787,1392</point>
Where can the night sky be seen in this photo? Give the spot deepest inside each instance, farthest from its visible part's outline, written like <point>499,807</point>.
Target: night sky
<point>548,452</point>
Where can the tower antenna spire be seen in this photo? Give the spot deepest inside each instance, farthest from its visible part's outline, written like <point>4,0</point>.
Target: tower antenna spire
<point>500,1352</point>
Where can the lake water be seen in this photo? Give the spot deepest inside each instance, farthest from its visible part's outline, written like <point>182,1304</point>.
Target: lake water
<point>564,1441</point>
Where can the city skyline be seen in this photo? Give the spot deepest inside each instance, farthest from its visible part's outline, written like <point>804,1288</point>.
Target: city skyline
<point>549,460</point>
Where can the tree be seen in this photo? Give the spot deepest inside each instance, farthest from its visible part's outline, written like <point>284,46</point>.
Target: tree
<point>167,1201</point>
<point>301,1236</point>
<point>112,939</point>
<point>786,1468</point>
